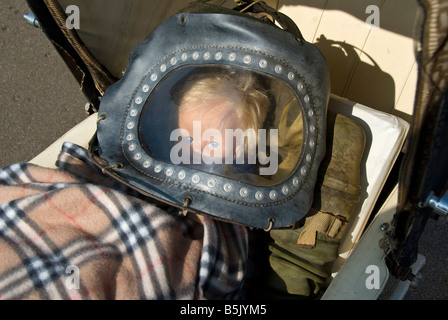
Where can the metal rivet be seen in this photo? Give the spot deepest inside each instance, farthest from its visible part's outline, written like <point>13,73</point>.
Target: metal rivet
<point>158,168</point>
<point>244,192</point>
<point>145,88</point>
<point>300,86</point>
<point>232,56</point>
<point>211,183</point>
<point>291,76</point>
<point>195,55</point>
<point>173,61</point>
<point>169,172</point>
<point>295,181</point>
<point>138,156</point>
<point>146,164</point>
<point>218,56</point>
<point>273,195</point>
<point>306,99</point>
<point>285,190</point>
<point>138,100</point>
<point>206,55</point>
<point>132,147</point>
<point>303,171</point>
<point>195,178</point>
<point>278,68</point>
<point>312,128</point>
<point>182,175</point>
<point>263,63</point>
<point>311,113</point>
<point>247,59</point>
<point>131,125</point>
<point>184,56</point>
<point>130,137</point>
<point>228,187</point>
<point>312,143</point>
<point>309,157</point>
<point>154,77</point>
<point>163,67</point>
<point>259,195</point>
<point>133,113</point>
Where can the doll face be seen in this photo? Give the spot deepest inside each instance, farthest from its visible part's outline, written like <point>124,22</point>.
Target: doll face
<point>205,128</point>
<point>220,122</point>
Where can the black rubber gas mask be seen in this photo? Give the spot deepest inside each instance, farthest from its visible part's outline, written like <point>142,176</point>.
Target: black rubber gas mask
<point>220,113</point>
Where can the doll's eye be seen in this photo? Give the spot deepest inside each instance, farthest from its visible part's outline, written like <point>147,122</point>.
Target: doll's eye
<point>214,144</point>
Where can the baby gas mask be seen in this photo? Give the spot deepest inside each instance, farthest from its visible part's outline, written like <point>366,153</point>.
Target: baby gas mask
<point>220,113</point>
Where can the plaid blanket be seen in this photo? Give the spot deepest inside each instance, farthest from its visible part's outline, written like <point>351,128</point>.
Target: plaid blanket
<point>73,233</point>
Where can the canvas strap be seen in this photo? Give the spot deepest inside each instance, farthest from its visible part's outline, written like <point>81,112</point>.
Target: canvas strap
<point>323,222</point>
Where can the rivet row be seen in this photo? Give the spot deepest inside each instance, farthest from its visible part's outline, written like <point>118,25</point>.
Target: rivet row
<point>244,192</point>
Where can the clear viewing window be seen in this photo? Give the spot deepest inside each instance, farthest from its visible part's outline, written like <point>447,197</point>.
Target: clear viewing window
<point>229,121</point>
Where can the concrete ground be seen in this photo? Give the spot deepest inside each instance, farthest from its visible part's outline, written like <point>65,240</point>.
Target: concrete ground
<point>40,100</point>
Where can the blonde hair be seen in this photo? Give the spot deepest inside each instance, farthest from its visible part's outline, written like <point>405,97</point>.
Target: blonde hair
<point>241,89</point>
